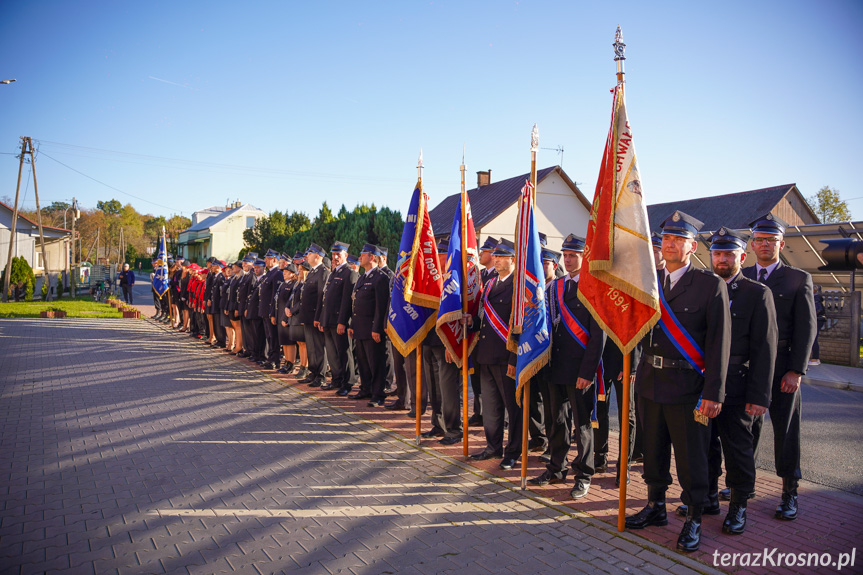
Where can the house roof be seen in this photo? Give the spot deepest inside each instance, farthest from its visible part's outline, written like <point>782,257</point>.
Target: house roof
<point>733,211</point>
<point>31,222</point>
<point>211,221</point>
<point>488,202</point>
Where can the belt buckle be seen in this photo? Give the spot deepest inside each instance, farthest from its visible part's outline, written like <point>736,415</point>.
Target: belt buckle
<point>656,362</point>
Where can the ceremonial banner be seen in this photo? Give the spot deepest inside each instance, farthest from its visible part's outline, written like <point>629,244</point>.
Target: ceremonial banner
<point>418,282</point>
<point>534,343</point>
<point>449,328</point>
<point>160,268</point>
<point>618,277</point>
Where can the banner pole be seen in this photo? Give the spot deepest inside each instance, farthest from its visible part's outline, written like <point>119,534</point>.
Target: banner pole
<point>170,309</point>
<point>464,360</point>
<point>419,349</point>
<point>623,457</point>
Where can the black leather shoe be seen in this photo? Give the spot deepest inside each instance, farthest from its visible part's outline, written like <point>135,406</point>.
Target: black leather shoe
<point>360,395</point>
<point>317,382</point>
<point>600,465</point>
<point>396,406</point>
<point>307,380</point>
<point>375,403</point>
<point>475,421</point>
<point>327,386</point>
<point>545,457</point>
<point>735,521</point>
<point>787,510</point>
<point>411,414</point>
<point>652,514</point>
<point>482,456</point>
<point>508,463</point>
<point>537,446</point>
<point>342,392</point>
<point>432,433</point>
<point>547,478</point>
<point>690,536</point>
<point>711,507</point>
<point>580,489</point>
<point>452,440</point>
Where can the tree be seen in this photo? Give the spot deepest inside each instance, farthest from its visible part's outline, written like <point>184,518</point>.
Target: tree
<point>110,208</point>
<point>828,206</point>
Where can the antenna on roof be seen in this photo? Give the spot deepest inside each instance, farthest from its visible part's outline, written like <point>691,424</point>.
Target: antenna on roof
<point>559,150</point>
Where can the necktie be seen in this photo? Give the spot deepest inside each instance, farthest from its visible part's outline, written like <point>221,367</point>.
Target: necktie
<point>762,275</point>
<point>666,285</point>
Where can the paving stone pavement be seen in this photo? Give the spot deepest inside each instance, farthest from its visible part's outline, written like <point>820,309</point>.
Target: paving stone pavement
<point>123,450</point>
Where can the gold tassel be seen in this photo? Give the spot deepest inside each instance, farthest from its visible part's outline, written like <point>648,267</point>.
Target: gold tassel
<point>594,424</point>
<point>600,397</point>
<point>700,417</point>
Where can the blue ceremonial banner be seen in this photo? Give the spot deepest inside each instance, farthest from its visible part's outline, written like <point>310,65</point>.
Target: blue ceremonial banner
<point>449,327</point>
<point>534,342</point>
<point>160,269</point>
<point>408,323</point>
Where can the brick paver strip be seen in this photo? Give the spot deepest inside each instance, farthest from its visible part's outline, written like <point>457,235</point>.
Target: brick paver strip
<point>127,448</point>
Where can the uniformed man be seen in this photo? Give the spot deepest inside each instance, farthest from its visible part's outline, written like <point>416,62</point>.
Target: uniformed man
<point>486,260</point>
<point>797,325</point>
<point>541,417</point>
<point>680,379</point>
<point>270,282</point>
<point>368,321</point>
<point>256,328</point>
<point>215,304</point>
<point>576,348</point>
<point>336,316</point>
<point>750,376</point>
<point>243,289</point>
<point>354,264</point>
<point>496,364</point>
<point>311,306</point>
<point>442,379</point>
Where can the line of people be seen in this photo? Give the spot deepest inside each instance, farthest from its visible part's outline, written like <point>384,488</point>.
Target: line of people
<point>732,345</point>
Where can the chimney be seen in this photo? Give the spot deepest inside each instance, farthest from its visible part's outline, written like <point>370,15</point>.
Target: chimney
<point>483,178</point>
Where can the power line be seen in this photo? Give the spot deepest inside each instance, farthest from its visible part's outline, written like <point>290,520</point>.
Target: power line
<point>106,185</point>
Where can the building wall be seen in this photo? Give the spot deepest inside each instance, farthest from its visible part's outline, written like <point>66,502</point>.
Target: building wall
<point>228,236</point>
<point>792,208</point>
<point>24,246</point>
<point>558,214</point>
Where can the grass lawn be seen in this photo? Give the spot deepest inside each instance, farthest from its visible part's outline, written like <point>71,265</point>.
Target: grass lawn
<point>74,307</point>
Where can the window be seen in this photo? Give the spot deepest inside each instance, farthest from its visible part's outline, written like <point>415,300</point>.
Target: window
<point>250,221</point>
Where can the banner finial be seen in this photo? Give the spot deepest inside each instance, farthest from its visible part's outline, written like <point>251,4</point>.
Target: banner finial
<point>534,139</point>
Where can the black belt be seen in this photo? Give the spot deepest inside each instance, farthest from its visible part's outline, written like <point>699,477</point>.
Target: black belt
<point>665,363</point>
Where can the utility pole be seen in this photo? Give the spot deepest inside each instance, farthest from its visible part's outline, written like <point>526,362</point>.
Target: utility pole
<point>46,276</point>
<point>13,231</point>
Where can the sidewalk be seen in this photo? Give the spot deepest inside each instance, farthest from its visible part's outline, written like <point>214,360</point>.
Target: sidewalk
<point>830,521</point>
<point>125,448</point>
<point>835,376</point>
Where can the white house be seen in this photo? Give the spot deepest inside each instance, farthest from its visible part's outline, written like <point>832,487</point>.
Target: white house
<point>218,231</point>
<point>27,242</point>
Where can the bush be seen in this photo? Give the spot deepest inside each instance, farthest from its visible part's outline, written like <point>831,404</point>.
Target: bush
<point>22,278</point>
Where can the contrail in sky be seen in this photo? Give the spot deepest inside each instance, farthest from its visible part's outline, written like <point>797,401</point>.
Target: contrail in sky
<point>168,82</point>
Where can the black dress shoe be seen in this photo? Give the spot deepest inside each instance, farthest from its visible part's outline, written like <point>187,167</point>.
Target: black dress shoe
<point>690,536</point>
<point>787,509</point>
<point>735,521</point>
<point>600,465</point>
<point>652,514</point>
<point>537,446</point>
<point>396,406</point>
<point>327,386</point>
<point>482,456</point>
<point>451,440</point>
<point>432,433</point>
<point>375,403</point>
<point>343,392</point>
<point>411,414</point>
<point>360,395</point>
<point>317,382</point>
<point>580,489</point>
<point>508,463</point>
<point>475,421</point>
<point>307,380</point>
<point>548,478</point>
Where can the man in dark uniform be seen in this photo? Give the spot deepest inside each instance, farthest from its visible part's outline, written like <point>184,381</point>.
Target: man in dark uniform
<point>396,374</point>
<point>243,289</point>
<point>576,348</point>
<point>541,417</point>
<point>269,286</point>
<point>487,271</point>
<point>679,388</point>
<point>215,304</point>
<point>797,325</point>
<point>370,304</point>
<point>311,304</point>
<point>443,379</point>
<point>336,317</point>
<point>256,328</point>
<point>750,376</point>
<point>496,364</point>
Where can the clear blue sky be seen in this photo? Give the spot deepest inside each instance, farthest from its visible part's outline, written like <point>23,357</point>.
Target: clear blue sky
<point>182,105</point>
